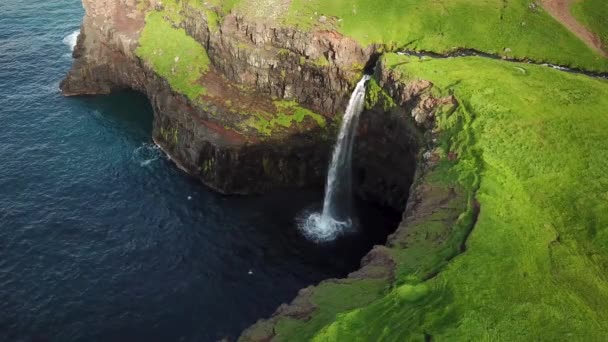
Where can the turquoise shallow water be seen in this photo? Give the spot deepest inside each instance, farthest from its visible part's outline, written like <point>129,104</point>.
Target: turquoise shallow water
<point>103,239</point>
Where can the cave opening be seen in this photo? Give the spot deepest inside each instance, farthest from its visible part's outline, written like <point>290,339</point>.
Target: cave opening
<point>371,63</point>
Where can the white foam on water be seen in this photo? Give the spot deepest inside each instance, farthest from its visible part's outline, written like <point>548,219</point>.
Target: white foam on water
<point>71,39</point>
<point>146,154</point>
<point>146,162</point>
<point>319,228</point>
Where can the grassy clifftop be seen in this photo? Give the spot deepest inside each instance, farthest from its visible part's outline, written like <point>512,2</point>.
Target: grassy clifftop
<point>518,29</point>
<point>531,141</point>
<point>509,28</point>
<point>174,55</point>
<point>183,62</point>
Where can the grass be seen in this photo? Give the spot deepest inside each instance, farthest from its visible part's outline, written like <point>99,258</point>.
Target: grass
<point>594,15</point>
<point>531,146</point>
<point>507,28</point>
<point>173,55</point>
<point>374,94</point>
<point>226,6</point>
<point>331,298</point>
<point>441,26</point>
<point>213,10</point>
<point>288,114</point>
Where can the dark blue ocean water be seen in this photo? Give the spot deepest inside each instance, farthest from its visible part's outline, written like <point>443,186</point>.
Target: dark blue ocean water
<point>103,239</point>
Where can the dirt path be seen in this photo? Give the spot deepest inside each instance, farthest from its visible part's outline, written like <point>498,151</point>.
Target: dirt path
<point>560,10</point>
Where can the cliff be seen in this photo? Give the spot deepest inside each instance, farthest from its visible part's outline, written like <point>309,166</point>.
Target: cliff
<point>247,95</point>
<point>226,100</point>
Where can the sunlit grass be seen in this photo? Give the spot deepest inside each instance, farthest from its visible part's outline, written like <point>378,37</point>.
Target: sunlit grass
<point>287,114</point>
<point>593,14</point>
<point>174,55</point>
<point>509,28</point>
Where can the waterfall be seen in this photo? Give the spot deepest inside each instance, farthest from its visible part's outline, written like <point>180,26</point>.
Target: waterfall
<point>337,205</point>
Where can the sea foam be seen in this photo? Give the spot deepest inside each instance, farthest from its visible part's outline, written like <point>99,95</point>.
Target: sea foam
<point>71,39</point>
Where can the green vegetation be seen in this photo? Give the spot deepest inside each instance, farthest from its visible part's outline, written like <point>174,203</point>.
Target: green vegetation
<point>529,147</point>
<point>375,94</point>
<point>175,12</point>
<point>174,55</point>
<point>594,15</point>
<point>331,298</point>
<point>321,61</point>
<point>209,9</point>
<point>508,28</point>
<point>170,134</point>
<point>225,6</point>
<point>213,20</point>
<point>287,113</point>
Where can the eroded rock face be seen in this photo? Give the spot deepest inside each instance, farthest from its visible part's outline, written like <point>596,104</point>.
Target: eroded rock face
<point>316,69</point>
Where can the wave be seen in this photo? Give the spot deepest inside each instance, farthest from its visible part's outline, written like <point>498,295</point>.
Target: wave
<point>71,39</point>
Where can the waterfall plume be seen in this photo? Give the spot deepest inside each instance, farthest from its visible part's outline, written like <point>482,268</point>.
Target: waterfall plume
<point>336,217</point>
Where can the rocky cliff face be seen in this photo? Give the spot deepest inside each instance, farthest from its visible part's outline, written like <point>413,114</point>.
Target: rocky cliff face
<point>253,65</point>
<point>249,60</point>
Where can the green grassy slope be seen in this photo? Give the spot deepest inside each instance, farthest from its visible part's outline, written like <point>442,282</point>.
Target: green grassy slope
<point>444,25</point>
<point>593,14</point>
<point>174,55</point>
<point>432,239</point>
<point>536,263</point>
<point>507,28</point>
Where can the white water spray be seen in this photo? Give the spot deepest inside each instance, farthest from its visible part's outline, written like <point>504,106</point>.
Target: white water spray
<point>71,39</point>
<point>336,216</point>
